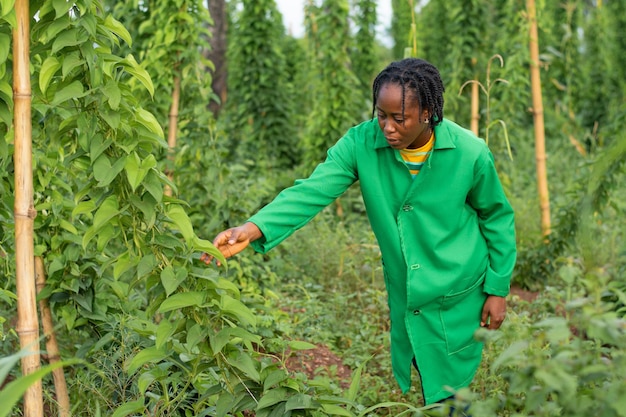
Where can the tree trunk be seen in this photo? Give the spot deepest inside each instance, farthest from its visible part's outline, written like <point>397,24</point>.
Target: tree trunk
<point>24,211</point>
<point>217,54</point>
<point>537,110</point>
<point>52,347</point>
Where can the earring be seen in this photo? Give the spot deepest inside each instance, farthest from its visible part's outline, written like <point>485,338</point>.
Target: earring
<point>425,120</point>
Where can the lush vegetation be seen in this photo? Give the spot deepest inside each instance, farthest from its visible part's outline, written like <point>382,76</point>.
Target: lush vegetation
<point>122,218</point>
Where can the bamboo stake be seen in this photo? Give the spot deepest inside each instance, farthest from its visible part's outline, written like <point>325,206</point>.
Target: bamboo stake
<point>537,110</point>
<point>475,109</point>
<point>24,211</point>
<point>62,396</point>
<point>173,127</point>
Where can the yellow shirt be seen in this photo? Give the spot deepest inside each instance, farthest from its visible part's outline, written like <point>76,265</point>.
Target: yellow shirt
<point>415,158</point>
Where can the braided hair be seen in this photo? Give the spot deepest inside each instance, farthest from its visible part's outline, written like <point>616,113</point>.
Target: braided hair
<point>419,77</point>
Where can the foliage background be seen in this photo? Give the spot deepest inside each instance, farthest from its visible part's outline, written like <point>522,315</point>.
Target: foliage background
<point>160,334</point>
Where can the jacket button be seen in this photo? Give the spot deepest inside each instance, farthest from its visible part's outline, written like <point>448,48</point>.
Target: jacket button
<point>415,266</point>
<point>407,207</point>
<point>416,312</point>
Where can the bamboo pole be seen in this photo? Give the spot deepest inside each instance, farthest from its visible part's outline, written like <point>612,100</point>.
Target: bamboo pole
<point>475,109</point>
<point>52,347</point>
<point>173,127</point>
<point>24,211</point>
<point>537,111</point>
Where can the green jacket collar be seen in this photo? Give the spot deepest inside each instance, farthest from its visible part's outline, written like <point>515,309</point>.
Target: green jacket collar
<point>443,137</point>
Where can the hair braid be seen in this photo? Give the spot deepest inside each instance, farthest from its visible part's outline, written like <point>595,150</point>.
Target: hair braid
<point>419,77</point>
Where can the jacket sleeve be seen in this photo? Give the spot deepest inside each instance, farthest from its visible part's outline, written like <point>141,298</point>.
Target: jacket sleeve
<point>297,205</point>
<point>497,224</point>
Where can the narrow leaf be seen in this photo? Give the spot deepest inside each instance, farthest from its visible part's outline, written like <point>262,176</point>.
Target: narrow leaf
<point>13,391</point>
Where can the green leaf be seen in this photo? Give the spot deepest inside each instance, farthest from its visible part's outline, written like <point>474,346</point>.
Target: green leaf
<point>146,265</point>
<point>219,340</point>
<point>150,122</point>
<point>195,335</point>
<point>105,234</point>
<point>6,6</point>
<point>68,226</point>
<point>132,407</point>
<point>133,68</point>
<point>147,206</point>
<point>171,280</point>
<point>72,91</point>
<point>84,207</point>
<point>70,62</point>
<point>119,29</point>
<point>123,263</point>
<point>244,362</point>
<point>5,46</point>
<point>145,380</point>
<point>13,391</point>
<point>298,345</point>
<point>276,377</point>
<point>49,67</point>
<point>273,397</point>
<point>107,210</point>
<point>182,300</point>
<point>113,93</point>
<point>300,402</point>
<point>164,333</point>
<point>201,245</point>
<point>335,410</point>
<point>148,355</point>
<point>356,381</point>
<point>181,220</point>
<point>10,17</point>
<point>153,185</point>
<point>104,173</point>
<point>510,355</point>
<point>136,169</point>
<point>236,308</point>
<point>61,7</point>
<point>70,37</point>
<point>97,146</point>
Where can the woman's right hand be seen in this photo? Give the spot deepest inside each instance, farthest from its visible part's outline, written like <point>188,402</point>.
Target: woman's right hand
<point>232,241</point>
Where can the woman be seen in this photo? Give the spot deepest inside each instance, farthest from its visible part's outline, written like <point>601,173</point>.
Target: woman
<point>440,216</point>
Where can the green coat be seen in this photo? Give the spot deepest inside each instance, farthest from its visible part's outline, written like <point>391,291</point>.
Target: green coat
<point>447,240</point>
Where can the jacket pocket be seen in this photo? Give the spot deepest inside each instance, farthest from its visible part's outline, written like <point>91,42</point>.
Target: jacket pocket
<point>460,316</point>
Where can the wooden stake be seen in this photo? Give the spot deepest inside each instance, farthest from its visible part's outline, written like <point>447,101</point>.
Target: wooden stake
<point>60,386</point>
<point>24,211</point>
<point>173,127</point>
<point>537,110</point>
<point>475,108</point>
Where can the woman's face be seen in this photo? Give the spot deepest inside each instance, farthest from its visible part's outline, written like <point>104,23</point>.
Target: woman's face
<point>408,130</point>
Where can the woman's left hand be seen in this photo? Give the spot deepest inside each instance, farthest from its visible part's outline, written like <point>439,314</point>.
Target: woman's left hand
<point>494,312</point>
